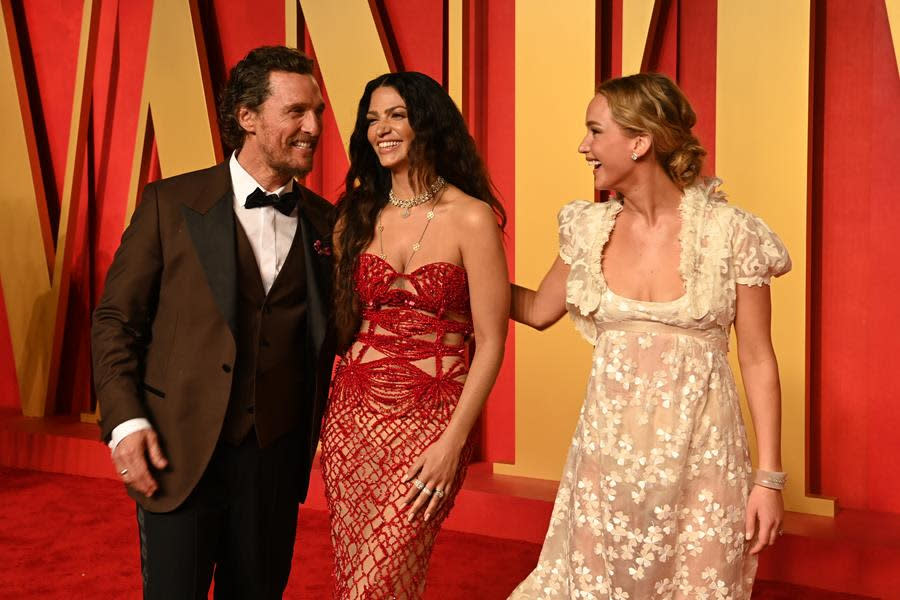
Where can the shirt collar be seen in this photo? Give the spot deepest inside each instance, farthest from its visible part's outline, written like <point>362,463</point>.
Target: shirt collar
<point>244,184</point>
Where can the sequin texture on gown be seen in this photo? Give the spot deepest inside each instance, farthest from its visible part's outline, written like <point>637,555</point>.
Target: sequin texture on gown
<point>654,490</point>
<point>392,396</point>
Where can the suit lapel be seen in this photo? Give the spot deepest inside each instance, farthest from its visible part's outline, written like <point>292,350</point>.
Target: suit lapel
<point>318,281</point>
<point>210,221</point>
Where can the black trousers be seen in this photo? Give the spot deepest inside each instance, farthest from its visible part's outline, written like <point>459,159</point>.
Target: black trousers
<point>238,525</point>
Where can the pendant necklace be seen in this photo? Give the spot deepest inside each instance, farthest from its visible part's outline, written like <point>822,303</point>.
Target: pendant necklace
<point>428,217</point>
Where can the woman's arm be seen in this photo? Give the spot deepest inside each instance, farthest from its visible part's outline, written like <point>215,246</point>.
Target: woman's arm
<point>485,264</point>
<point>759,369</point>
<point>542,308</point>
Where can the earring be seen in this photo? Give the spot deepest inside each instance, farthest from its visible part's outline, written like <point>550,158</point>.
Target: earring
<point>634,156</point>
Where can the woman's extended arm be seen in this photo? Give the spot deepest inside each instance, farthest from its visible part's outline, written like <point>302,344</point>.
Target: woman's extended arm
<point>542,308</point>
<point>759,370</point>
<point>485,264</point>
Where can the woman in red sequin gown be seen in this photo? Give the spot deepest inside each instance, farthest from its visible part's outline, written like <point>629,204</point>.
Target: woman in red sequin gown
<point>420,273</point>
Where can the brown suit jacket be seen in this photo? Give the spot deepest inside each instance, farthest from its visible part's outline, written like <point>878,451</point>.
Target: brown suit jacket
<point>163,335</point>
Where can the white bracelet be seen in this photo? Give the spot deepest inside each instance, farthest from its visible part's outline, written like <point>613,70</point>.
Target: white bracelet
<point>774,480</point>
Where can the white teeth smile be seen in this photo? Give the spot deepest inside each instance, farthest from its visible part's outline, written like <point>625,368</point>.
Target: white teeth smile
<point>594,163</point>
<point>302,145</point>
<point>390,144</point>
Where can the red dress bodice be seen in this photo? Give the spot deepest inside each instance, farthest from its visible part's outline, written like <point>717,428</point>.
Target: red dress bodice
<point>393,394</point>
<point>439,289</point>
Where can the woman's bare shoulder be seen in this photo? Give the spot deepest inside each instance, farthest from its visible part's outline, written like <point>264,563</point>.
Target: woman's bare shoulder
<point>467,211</point>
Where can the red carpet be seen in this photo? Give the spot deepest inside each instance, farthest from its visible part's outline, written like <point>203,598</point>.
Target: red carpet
<point>63,536</point>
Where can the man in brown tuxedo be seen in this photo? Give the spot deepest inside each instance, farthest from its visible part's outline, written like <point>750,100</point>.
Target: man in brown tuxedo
<point>212,348</point>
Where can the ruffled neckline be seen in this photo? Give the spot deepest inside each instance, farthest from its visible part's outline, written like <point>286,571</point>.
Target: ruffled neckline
<point>691,208</point>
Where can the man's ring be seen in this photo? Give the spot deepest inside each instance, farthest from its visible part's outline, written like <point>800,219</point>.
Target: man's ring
<point>439,493</point>
<point>426,490</point>
<point>123,472</point>
<point>419,485</point>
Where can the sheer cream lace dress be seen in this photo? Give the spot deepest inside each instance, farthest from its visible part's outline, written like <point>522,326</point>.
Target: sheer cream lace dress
<point>652,499</point>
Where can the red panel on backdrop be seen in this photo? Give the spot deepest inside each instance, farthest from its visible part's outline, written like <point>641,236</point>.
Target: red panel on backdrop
<point>616,44</point>
<point>497,109</point>
<point>661,50</point>
<point>73,391</point>
<point>118,83</point>
<point>49,32</point>
<point>331,164</point>
<point>697,69</point>
<point>238,27</point>
<point>419,35</point>
<point>682,45</point>
<point>860,271</point>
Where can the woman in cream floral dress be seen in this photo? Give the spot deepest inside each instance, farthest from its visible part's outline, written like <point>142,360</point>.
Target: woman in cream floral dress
<point>658,498</point>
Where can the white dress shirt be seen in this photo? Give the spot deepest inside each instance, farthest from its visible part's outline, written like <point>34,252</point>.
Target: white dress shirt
<point>270,233</point>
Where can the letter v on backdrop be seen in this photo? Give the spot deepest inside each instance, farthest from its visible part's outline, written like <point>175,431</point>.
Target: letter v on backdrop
<point>177,113</point>
<point>34,270</point>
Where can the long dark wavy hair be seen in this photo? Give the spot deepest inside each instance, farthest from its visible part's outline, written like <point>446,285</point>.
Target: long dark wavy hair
<point>442,147</point>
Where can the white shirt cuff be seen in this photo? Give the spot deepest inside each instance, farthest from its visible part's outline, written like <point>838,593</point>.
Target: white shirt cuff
<point>126,428</point>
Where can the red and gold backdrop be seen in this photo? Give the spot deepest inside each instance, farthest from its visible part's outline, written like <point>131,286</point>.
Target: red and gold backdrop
<point>797,104</point>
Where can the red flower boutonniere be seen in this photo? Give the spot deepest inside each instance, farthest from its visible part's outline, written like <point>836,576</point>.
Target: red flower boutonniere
<point>322,248</point>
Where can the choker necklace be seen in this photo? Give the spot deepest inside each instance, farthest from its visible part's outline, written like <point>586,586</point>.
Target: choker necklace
<point>418,199</point>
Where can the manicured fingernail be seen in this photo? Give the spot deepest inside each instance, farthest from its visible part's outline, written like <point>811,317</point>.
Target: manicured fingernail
<point>748,536</point>
<point>427,516</point>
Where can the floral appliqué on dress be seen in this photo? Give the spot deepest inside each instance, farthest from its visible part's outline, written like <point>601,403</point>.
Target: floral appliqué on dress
<point>653,495</point>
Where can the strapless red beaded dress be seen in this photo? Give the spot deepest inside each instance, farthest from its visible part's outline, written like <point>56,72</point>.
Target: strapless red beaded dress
<point>392,396</point>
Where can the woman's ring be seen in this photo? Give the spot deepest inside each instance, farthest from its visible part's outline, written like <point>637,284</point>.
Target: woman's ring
<point>419,485</point>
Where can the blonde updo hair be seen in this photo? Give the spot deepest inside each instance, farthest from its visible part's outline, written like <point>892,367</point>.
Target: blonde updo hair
<point>651,103</point>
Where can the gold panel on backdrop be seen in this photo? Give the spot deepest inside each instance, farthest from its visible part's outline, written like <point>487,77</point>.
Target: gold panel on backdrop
<point>893,13</point>
<point>345,71</point>
<point>455,40</point>
<point>290,24</point>
<point>762,114</point>
<point>33,291</point>
<point>554,83</point>
<point>636,17</point>
<point>177,95</point>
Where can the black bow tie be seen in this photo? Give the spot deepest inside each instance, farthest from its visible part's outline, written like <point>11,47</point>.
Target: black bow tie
<point>284,204</point>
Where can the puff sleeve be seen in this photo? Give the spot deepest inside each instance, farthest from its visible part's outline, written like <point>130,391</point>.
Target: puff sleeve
<point>758,254</point>
<point>569,223</point>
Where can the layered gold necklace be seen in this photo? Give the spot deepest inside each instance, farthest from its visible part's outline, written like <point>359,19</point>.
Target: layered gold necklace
<point>431,192</point>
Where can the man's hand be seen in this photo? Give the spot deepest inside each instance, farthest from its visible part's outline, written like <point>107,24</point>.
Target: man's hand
<point>130,458</point>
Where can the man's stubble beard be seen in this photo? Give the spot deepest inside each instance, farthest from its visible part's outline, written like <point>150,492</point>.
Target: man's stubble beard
<point>285,169</point>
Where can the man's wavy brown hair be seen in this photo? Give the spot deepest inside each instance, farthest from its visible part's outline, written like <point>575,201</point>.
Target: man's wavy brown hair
<point>248,85</point>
